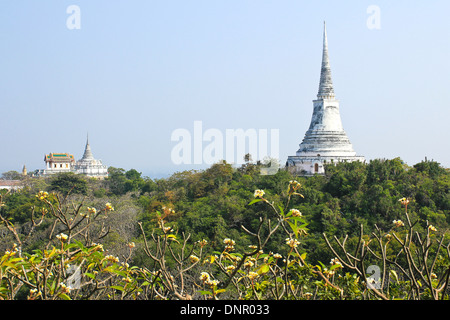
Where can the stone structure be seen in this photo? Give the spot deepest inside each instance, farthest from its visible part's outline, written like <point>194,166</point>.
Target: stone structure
<point>65,162</point>
<point>325,141</point>
<point>89,166</point>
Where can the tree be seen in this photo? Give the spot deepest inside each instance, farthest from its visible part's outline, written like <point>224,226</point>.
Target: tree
<point>12,175</point>
<point>121,182</point>
<point>133,174</point>
<point>432,168</point>
<point>116,180</point>
<point>70,182</point>
<point>134,180</point>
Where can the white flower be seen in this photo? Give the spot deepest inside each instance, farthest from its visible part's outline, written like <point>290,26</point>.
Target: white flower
<point>336,261</point>
<point>398,223</point>
<point>111,258</point>
<point>252,275</point>
<point>203,243</point>
<point>296,213</point>
<point>295,184</point>
<point>204,276</point>
<point>230,268</point>
<point>64,288</point>
<point>193,259</point>
<point>404,201</point>
<point>213,283</point>
<point>229,244</point>
<point>62,237</point>
<point>259,193</point>
<point>293,243</point>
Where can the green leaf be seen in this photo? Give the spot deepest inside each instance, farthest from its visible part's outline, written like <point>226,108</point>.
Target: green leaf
<point>121,273</point>
<point>254,201</point>
<point>263,269</point>
<point>394,275</point>
<point>110,269</point>
<point>64,296</point>
<point>280,280</point>
<point>294,228</point>
<point>297,219</point>
<point>117,288</point>
<point>90,275</point>
<point>203,292</point>
<point>172,237</point>
<point>70,246</point>
<point>220,291</point>
<point>304,225</point>
<point>335,266</point>
<point>236,255</point>
<point>91,265</point>
<point>50,254</point>
<point>322,266</point>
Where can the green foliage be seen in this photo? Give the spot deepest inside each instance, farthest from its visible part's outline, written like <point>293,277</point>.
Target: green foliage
<point>12,175</point>
<point>120,181</point>
<point>215,204</point>
<point>66,183</point>
<point>18,206</point>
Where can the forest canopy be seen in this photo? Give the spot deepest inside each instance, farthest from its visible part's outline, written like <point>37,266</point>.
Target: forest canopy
<point>216,204</point>
<point>213,203</point>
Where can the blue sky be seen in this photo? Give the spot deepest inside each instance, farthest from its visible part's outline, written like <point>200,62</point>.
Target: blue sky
<point>138,70</point>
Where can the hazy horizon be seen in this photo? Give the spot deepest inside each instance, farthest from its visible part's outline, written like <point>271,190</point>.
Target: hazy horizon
<point>133,72</point>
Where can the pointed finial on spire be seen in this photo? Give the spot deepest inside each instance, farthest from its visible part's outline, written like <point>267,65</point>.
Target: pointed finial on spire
<point>325,39</point>
<point>87,150</point>
<point>326,90</point>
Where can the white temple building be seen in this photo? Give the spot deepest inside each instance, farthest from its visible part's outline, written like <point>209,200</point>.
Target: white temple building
<point>325,141</point>
<point>65,162</point>
<point>57,163</point>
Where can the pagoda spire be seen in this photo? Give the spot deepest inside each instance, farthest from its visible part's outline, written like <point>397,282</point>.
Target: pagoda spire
<point>87,151</point>
<point>326,90</point>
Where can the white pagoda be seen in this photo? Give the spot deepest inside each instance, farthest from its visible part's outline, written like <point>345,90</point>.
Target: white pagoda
<point>325,141</point>
<point>90,166</point>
